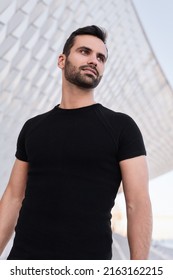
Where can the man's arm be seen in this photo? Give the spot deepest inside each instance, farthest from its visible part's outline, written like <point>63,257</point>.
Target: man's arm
<point>139,213</point>
<point>11,201</point>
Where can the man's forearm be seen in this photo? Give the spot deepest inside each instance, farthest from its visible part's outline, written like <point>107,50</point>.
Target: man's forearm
<point>139,230</point>
<point>9,210</point>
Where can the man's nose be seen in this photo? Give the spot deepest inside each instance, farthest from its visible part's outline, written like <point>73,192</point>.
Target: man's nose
<point>92,59</point>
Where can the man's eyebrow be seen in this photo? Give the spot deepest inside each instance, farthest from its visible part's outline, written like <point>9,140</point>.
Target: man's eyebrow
<point>88,49</point>
<point>84,47</point>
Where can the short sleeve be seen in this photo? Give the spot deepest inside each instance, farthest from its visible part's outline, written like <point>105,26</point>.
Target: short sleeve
<point>21,153</point>
<point>131,142</point>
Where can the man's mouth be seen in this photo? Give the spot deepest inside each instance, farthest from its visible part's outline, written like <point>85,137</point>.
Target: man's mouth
<point>90,70</point>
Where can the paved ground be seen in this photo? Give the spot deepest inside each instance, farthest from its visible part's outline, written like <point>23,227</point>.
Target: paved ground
<point>121,251</point>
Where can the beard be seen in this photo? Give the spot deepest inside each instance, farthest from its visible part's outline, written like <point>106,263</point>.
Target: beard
<point>85,80</point>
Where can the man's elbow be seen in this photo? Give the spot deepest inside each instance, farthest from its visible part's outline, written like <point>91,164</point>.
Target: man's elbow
<point>140,205</point>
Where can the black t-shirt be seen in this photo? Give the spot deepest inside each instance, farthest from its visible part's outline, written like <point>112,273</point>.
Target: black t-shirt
<point>73,179</point>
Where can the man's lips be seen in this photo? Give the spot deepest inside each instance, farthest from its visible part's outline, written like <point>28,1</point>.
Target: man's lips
<point>91,70</point>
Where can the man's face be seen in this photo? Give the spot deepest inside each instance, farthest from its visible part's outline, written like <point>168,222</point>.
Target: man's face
<point>84,66</point>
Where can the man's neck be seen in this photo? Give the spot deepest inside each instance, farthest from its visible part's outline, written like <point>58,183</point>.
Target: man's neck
<point>74,97</point>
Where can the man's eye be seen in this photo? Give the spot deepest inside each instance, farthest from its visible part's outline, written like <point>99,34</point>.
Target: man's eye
<point>84,52</point>
<point>100,58</point>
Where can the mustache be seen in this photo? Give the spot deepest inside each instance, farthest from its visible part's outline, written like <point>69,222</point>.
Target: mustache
<point>89,67</point>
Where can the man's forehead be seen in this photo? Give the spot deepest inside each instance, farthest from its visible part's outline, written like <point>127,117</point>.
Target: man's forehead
<point>91,42</point>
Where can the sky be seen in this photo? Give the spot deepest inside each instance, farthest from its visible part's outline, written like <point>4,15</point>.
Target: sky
<point>156,17</point>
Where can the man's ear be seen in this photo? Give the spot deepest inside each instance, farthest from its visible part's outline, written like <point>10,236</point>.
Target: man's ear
<point>61,61</point>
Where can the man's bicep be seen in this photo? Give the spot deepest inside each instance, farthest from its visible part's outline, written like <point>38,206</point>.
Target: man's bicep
<point>18,178</point>
<point>134,178</point>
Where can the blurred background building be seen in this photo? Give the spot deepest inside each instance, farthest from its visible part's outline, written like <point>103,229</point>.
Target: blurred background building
<point>32,34</point>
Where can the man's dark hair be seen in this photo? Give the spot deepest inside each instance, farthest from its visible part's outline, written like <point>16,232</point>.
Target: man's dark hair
<point>87,30</point>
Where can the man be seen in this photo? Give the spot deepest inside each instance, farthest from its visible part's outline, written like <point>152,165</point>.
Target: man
<point>69,165</point>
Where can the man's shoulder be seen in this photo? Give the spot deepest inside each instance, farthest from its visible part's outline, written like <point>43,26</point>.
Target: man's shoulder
<point>116,115</point>
<point>36,120</point>
<point>40,117</point>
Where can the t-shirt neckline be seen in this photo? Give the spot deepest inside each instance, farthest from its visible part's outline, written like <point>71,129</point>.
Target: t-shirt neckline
<point>79,109</point>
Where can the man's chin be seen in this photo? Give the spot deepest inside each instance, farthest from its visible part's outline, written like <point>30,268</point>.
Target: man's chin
<point>88,85</point>
<point>89,82</point>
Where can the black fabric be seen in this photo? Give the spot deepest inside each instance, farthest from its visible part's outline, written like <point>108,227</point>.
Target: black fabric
<point>73,180</point>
